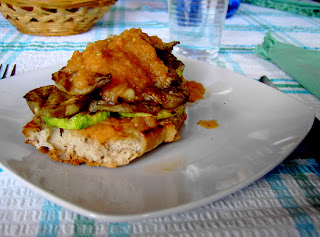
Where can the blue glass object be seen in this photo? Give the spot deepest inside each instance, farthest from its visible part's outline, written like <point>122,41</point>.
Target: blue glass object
<point>233,7</point>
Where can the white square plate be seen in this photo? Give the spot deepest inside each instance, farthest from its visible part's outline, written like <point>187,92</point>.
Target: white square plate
<point>258,128</point>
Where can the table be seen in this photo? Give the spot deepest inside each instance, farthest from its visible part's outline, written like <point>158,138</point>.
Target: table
<point>285,202</point>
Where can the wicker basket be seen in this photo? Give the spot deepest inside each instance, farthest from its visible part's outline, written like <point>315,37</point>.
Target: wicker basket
<point>54,17</point>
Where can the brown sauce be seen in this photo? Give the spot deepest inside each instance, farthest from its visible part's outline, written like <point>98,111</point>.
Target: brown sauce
<point>208,124</point>
<point>196,90</point>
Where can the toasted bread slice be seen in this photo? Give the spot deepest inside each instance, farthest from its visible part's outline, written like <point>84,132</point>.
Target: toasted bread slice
<point>113,142</point>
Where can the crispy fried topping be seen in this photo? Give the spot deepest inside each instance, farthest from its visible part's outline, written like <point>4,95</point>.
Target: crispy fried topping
<point>130,67</point>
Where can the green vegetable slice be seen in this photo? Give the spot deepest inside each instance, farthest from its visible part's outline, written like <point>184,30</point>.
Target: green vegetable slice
<point>78,121</point>
<point>160,115</point>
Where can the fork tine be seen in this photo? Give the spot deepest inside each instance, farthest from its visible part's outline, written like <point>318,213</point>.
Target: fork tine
<point>5,72</point>
<point>13,72</point>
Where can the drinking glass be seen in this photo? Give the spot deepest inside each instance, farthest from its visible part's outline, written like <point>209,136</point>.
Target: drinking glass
<point>197,25</point>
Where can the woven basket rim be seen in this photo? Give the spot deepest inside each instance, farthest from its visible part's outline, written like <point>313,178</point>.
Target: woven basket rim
<point>60,3</point>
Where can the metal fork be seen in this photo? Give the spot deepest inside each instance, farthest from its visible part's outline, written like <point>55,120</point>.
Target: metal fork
<point>13,72</point>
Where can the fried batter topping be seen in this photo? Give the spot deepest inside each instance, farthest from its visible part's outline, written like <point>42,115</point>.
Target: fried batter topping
<point>130,67</point>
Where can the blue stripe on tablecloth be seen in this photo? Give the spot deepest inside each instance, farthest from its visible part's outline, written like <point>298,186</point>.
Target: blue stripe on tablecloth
<point>254,26</point>
<point>15,54</point>
<point>25,44</point>
<point>220,63</point>
<point>312,20</point>
<point>276,13</point>
<point>298,169</point>
<point>122,17</point>
<point>51,46</point>
<point>295,91</point>
<point>294,40</point>
<point>238,49</point>
<point>151,9</point>
<point>50,220</point>
<point>283,79</point>
<point>97,34</point>
<point>292,88</point>
<point>145,24</point>
<point>309,190</point>
<point>16,38</point>
<point>236,66</point>
<point>251,27</point>
<point>122,13</point>
<point>313,167</point>
<point>67,46</point>
<point>301,218</point>
<point>71,46</point>
<point>300,166</point>
<point>248,17</point>
<point>44,46</point>
<point>83,226</point>
<point>258,24</point>
<point>140,9</point>
<point>111,18</point>
<point>289,86</point>
<point>119,229</point>
<point>9,34</point>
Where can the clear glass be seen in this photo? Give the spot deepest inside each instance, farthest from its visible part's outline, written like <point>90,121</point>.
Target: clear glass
<point>198,25</point>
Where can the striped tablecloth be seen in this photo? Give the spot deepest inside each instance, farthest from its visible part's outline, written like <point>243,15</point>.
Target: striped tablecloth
<point>285,202</point>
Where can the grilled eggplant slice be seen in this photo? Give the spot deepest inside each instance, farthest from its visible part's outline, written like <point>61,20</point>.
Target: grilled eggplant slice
<point>49,101</point>
<point>74,84</point>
